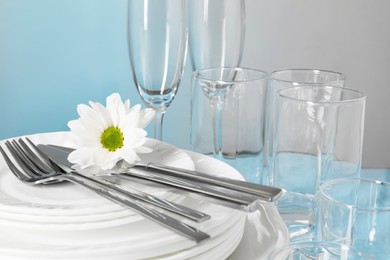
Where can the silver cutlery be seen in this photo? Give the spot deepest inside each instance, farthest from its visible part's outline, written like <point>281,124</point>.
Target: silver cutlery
<point>217,187</point>
<point>36,169</point>
<point>184,211</point>
<point>229,195</point>
<point>267,193</point>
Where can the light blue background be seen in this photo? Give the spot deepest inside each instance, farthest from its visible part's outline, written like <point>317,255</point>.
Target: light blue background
<point>55,54</point>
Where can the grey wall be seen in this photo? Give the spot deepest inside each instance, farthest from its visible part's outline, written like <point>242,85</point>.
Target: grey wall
<point>349,36</point>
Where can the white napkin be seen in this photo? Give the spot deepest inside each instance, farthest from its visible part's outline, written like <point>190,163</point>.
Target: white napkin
<point>264,231</point>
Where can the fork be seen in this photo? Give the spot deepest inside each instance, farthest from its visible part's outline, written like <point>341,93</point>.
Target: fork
<point>162,203</point>
<point>36,169</point>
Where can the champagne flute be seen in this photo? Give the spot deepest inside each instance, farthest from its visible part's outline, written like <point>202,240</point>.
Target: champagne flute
<point>216,39</point>
<point>157,42</point>
<point>216,33</point>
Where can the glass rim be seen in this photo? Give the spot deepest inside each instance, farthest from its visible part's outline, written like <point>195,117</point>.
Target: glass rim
<point>327,197</point>
<point>276,72</point>
<point>362,96</point>
<point>260,74</point>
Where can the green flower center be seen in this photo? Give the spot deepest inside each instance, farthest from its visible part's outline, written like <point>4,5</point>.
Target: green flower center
<point>112,138</point>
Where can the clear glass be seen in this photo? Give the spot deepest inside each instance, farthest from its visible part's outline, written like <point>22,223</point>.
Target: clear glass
<point>318,136</point>
<point>236,99</point>
<point>315,250</point>
<point>216,33</point>
<point>356,212</point>
<point>216,39</point>
<point>157,42</point>
<point>281,79</point>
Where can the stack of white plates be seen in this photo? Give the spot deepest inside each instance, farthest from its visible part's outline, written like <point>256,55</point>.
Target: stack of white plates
<point>65,221</point>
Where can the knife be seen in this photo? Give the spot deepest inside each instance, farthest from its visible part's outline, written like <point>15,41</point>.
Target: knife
<point>235,191</point>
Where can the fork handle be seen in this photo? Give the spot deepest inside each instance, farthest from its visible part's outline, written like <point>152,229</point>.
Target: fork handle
<point>184,211</point>
<point>165,220</point>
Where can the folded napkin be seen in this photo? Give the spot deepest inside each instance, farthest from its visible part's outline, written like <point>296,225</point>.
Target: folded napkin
<point>264,231</point>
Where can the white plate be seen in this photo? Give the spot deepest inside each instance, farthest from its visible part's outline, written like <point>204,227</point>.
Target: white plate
<point>138,240</point>
<point>46,207</point>
<point>50,199</point>
<point>218,248</point>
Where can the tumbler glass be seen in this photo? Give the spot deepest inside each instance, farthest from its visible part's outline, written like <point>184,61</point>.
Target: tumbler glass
<point>315,250</point>
<point>356,212</point>
<point>235,97</point>
<point>281,79</point>
<point>318,136</point>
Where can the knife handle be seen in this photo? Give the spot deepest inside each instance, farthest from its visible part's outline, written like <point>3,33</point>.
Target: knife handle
<point>230,195</point>
<point>266,193</point>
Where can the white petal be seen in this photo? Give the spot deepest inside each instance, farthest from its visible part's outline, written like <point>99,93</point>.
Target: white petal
<point>130,156</point>
<point>135,137</point>
<point>85,111</point>
<point>127,105</point>
<point>115,108</point>
<point>104,115</point>
<point>146,116</point>
<point>130,121</point>
<point>82,157</point>
<point>76,128</point>
<point>135,108</point>
<point>101,158</point>
<point>89,140</point>
<point>91,116</point>
<point>110,160</point>
<point>113,98</point>
<point>90,124</point>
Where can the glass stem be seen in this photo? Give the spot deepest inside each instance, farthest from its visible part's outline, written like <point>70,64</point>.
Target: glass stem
<point>217,126</point>
<point>158,124</point>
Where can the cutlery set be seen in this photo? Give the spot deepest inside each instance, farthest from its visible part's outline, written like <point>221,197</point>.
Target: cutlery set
<point>47,164</point>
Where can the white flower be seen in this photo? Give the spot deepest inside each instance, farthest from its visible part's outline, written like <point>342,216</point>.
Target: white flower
<point>106,135</point>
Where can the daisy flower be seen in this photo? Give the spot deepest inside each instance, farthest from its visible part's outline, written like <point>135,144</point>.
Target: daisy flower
<point>106,135</point>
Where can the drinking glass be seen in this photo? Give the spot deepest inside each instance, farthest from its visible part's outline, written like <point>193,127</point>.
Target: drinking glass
<point>236,99</point>
<point>216,39</point>
<point>284,78</point>
<point>315,250</point>
<point>318,136</point>
<point>157,42</point>
<point>216,33</point>
<point>356,212</point>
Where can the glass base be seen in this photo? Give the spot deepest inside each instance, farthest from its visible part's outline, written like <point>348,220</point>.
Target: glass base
<point>298,213</point>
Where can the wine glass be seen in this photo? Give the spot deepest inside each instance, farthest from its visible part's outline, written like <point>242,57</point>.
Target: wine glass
<point>157,42</point>
<point>216,39</point>
<point>216,33</point>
